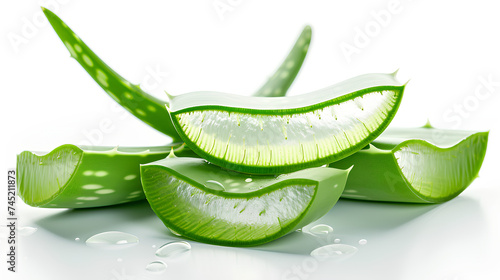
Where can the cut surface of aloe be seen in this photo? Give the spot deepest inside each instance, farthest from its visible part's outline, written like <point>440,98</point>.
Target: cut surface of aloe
<point>284,134</point>
<point>206,203</point>
<point>80,177</point>
<point>424,165</point>
<point>148,108</point>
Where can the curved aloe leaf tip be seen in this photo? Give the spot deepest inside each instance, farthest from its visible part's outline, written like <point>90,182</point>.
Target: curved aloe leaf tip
<point>142,105</point>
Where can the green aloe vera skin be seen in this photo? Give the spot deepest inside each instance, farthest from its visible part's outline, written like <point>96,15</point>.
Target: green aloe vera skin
<point>420,165</point>
<point>150,109</point>
<point>279,83</point>
<point>204,202</point>
<point>260,135</point>
<point>81,177</point>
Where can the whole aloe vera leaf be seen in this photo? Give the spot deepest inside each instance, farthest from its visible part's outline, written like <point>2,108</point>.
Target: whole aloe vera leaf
<point>206,203</point>
<point>260,135</point>
<point>147,108</point>
<point>80,177</point>
<point>150,109</point>
<point>421,165</point>
<point>283,77</point>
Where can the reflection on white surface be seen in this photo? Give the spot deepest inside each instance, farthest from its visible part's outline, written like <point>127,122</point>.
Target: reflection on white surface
<point>401,236</point>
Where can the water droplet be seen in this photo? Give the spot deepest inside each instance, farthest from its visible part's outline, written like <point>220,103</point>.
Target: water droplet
<point>336,240</point>
<point>41,162</point>
<point>299,230</point>
<point>172,249</point>
<point>77,239</point>
<point>334,251</point>
<point>321,229</point>
<point>156,267</point>
<point>112,239</point>
<point>214,185</point>
<point>27,231</point>
<point>248,180</point>
<point>362,241</point>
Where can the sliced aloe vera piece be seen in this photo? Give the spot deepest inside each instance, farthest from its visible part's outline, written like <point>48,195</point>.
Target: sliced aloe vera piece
<point>80,177</point>
<point>424,165</point>
<point>150,109</point>
<point>284,134</point>
<point>282,79</point>
<point>207,203</point>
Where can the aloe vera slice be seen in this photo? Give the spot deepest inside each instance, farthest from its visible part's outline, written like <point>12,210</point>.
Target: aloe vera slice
<point>150,109</point>
<point>80,177</point>
<point>424,165</point>
<point>277,85</point>
<point>284,134</point>
<point>203,202</point>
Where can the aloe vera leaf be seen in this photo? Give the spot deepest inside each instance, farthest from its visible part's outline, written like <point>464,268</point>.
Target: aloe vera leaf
<point>283,134</point>
<point>206,203</point>
<point>147,108</point>
<point>422,165</point>
<point>81,177</point>
<point>277,85</point>
<point>150,109</point>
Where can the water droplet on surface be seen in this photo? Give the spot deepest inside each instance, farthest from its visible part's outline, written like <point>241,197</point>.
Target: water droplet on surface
<point>334,251</point>
<point>299,230</point>
<point>173,249</point>
<point>321,229</point>
<point>156,267</point>
<point>112,240</point>
<point>77,239</point>
<point>336,240</point>
<point>27,231</point>
<point>248,180</point>
<point>214,185</point>
<point>362,241</point>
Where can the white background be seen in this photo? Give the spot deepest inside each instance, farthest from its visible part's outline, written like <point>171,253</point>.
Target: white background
<point>446,48</point>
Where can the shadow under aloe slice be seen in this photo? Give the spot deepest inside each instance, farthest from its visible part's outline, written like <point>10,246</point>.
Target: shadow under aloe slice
<point>81,177</point>
<point>260,135</point>
<point>206,203</point>
<point>421,165</point>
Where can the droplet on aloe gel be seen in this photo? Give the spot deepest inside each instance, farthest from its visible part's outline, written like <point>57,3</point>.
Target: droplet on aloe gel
<point>156,267</point>
<point>248,180</point>
<point>334,251</point>
<point>27,231</point>
<point>173,249</point>
<point>214,185</point>
<point>321,229</point>
<point>112,240</point>
<point>362,242</point>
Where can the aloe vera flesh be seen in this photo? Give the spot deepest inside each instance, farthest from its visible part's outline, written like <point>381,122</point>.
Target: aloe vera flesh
<point>150,109</point>
<point>284,134</point>
<point>81,177</point>
<point>421,165</point>
<point>206,203</point>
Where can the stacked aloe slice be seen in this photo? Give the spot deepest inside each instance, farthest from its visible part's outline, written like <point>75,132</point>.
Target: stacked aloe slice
<point>243,171</point>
